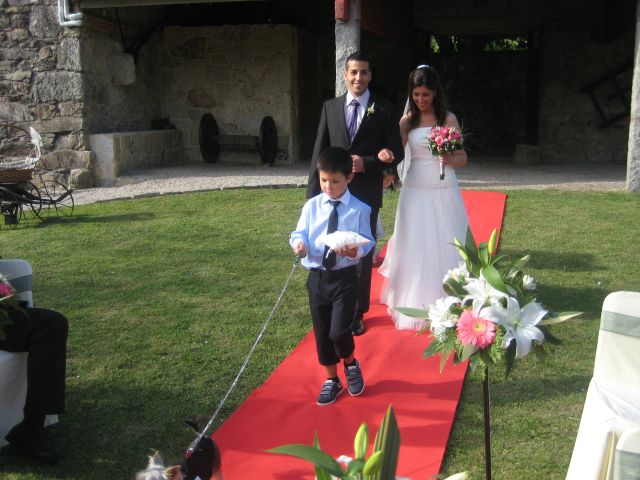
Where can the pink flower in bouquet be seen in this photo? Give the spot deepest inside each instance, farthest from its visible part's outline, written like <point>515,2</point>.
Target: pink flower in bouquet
<point>5,290</point>
<point>475,330</point>
<point>444,140</point>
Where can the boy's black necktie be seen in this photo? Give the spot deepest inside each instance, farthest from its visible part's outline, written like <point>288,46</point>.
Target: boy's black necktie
<point>329,258</point>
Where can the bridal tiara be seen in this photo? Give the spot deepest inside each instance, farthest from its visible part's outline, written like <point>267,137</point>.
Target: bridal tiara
<point>424,65</point>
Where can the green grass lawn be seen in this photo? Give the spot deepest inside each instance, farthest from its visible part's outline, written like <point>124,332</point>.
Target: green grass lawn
<point>166,295</point>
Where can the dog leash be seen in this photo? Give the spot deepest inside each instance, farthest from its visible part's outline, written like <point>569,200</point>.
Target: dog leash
<point>246,361</point>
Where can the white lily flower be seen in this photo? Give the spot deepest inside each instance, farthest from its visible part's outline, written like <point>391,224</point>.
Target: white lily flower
<point>459,274</point>
<point>440,316</point>
<point>528,282</point>
<point>520,323</point>
<point>481,291</point>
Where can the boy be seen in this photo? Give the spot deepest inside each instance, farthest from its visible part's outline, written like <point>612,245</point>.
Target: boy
<point>333,276</point>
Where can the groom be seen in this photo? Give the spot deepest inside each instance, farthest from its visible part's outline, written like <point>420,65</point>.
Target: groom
<point>368,129</point>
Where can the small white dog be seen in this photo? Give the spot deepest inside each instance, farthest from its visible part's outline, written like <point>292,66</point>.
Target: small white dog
<point>203,463</point>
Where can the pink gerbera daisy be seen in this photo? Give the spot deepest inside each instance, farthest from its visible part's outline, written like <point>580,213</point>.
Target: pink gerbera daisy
<point>475,330</point>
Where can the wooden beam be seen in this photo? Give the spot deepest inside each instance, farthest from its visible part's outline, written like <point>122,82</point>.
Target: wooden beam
<point>85,4</point>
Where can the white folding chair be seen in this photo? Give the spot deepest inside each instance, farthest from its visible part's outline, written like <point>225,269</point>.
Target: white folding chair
<point>626,458</point>
<point>612,405</point>
<point>13,366</point>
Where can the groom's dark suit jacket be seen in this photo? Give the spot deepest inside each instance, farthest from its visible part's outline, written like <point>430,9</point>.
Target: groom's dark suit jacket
<point>378,130</point>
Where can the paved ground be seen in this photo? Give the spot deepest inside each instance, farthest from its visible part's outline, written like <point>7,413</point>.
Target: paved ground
<point>478,174</point>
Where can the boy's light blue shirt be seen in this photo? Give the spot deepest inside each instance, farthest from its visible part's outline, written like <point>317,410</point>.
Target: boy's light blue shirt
<point>353,216</point>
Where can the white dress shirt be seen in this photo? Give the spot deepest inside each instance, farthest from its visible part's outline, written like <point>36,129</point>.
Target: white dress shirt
<point>353,216</point>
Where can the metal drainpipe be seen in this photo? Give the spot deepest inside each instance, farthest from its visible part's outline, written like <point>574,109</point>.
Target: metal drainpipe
<point>65,18</point>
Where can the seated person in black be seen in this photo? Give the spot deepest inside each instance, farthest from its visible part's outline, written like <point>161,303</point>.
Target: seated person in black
<point>42,334</point>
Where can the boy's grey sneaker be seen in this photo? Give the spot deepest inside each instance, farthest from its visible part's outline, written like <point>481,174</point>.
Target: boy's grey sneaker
<point>330,391</point>
<point>355,382</point>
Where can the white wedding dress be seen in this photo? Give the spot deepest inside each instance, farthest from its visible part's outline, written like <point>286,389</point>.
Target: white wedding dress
<point>430,215</point>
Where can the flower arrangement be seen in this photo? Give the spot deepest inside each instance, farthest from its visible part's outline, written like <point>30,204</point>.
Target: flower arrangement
<point>490,314</point>
<point>8,302</point>
<point>380,465</point>
<point>445,139</point>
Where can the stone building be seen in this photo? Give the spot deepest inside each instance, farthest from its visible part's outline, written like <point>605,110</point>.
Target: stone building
<point>113,84</point>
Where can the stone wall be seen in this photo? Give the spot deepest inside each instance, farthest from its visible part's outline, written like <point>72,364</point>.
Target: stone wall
<point>41,84</point>
<point>238,73</point>
<point>570,128</point>
<point>121,90</point>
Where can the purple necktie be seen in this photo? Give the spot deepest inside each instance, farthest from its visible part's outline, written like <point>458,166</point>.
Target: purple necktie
<point>353,119</point>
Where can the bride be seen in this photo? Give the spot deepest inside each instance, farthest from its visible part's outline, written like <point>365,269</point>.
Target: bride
<point>430,211</point>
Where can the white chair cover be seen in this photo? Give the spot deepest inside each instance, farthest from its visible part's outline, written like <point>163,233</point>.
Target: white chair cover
<point>13,366</point>
<point>612,405</point>
<point>626,463</point>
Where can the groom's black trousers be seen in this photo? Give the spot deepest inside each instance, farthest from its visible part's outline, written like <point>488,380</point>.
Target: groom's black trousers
<point>43,334</point>
<point>364,272</point>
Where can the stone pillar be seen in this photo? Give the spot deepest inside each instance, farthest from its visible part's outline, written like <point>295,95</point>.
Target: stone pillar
<point>347,40</point>
<point>633,153</point>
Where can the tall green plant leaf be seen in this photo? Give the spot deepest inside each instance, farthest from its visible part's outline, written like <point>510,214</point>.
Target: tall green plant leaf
<point>413,312</point>
<point>483,254</point>
<point>493,240</point>
<point>313,455</point>
<point>373,464</point>
<point>319,472</point>
<point>361,441</point>
<point>554,318</point>
<point>492,276</point>
<point>388,442</point>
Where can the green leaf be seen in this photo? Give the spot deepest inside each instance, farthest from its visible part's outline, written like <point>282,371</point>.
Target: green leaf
<point>373,464</point>
<point>510,358</point>
<point>467,351</point>
<point>471,248</point>
<point>495,280</point>
<point>555,318</point>
<point>493,240</point>
<point>519,264</point>
<point>483,254</point>
<point>355,466</point>
<point>361,441</point>
<point>497,259</point>
<point>313,455</point>
<point>319,472</point>
<point>470,242</point>
<point>431,350</point>
<point>461,250</point>
<point>458,476</point>
<point>414,312</point>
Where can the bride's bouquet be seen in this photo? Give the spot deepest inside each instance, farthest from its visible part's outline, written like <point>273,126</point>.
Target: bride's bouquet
<point>490,314</point>
<point>444,139</point>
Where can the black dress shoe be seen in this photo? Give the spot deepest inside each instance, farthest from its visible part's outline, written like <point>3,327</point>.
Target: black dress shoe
<point>358,328</point>
<point>29,440</point>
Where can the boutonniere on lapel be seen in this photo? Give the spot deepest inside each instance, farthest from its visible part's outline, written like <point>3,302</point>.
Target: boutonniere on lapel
<point>372,109</point>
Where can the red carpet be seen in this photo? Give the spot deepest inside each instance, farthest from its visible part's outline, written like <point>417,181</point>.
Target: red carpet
<point>283,409</point>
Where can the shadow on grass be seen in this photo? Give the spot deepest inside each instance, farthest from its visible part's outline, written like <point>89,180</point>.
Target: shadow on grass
<point>85,218</point>
<point>587,300</point>
<point>565,261</point>
<point>107,432</point>
<point>512,391</point>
